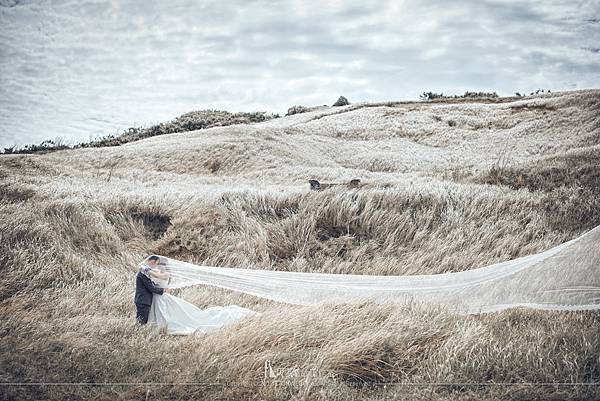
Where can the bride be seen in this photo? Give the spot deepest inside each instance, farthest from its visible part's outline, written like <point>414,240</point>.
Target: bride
<point>180,316</point>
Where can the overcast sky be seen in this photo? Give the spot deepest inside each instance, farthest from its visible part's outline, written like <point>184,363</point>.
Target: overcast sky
<point>83,68</point>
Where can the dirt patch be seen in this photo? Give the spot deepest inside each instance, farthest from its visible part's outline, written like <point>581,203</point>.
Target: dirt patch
<point>327,232</point>
<point>156,223</point>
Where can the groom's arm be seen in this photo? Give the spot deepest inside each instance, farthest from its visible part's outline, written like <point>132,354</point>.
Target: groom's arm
<point>150,286</point>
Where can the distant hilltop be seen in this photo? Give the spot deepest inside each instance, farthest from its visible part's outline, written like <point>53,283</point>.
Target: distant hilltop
<point>204,119</point>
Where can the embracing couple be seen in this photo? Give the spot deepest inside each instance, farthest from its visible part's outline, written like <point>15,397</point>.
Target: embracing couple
<point>145,287</point>
<point>155,303</point>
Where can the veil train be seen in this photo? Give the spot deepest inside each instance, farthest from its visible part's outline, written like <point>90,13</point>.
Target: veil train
<point>566,277</point>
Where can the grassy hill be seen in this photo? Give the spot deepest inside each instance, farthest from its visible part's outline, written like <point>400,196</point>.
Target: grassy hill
<point>446,185</point>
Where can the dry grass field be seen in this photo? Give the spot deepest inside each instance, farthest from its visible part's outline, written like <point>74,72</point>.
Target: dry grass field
<point>445,186</point>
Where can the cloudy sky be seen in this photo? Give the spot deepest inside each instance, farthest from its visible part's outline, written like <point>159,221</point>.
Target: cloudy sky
<point>84,68</point>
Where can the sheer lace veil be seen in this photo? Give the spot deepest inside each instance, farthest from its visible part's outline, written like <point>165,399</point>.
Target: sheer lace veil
<point>566,276</point>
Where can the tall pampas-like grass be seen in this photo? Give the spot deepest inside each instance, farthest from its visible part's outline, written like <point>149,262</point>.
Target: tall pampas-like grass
<point>507,178</point>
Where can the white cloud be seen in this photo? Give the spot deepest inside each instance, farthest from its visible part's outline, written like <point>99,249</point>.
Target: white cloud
<point>81,68</point>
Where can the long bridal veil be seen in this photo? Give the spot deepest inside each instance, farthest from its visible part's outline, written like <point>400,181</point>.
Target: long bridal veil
<point>564,277</point>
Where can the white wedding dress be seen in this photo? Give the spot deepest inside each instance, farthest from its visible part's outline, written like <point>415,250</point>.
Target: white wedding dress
<point>182,317</point>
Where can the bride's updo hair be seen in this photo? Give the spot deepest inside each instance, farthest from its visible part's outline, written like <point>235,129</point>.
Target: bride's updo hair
<point>153,257</point>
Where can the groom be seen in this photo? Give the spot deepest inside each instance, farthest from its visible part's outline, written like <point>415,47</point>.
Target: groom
<point>144,287</point>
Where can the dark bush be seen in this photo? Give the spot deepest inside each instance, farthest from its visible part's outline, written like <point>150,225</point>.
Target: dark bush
<point>297,110</point>
<point>467,95</point>
<point>342,101</point>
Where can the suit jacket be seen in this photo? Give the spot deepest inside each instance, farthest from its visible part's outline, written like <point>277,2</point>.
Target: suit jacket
<point>144,287</point>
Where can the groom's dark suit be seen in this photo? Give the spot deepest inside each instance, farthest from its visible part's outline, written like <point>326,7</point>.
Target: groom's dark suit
<point>144,287</point>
